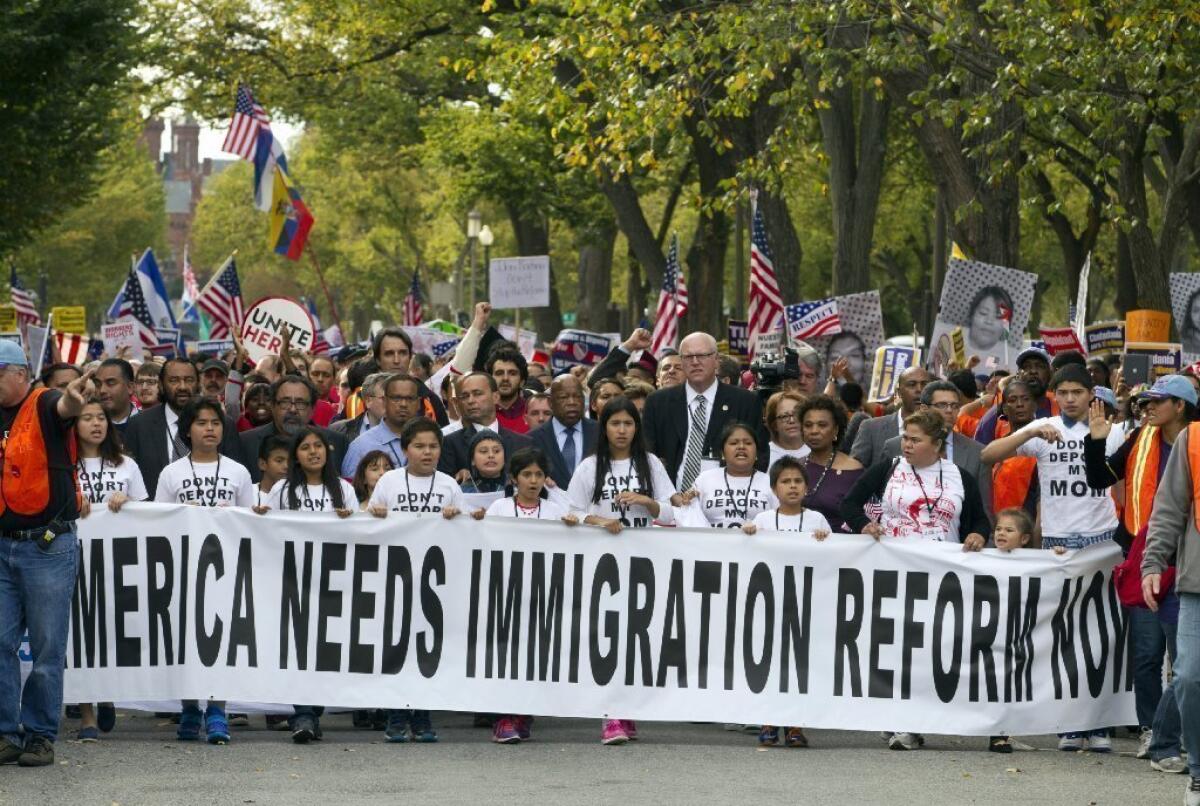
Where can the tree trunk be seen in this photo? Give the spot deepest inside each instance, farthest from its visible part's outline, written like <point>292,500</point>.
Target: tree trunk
<point>595,275</point>
<point>533,238</point>
<point>706,256</point>
<point>1146,260</point>
<point>1125,282</point>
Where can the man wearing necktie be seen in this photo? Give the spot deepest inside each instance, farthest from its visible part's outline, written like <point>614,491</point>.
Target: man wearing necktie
<point>567,438</point>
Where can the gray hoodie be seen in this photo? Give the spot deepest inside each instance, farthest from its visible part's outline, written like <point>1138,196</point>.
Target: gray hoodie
<point>1171,534</point>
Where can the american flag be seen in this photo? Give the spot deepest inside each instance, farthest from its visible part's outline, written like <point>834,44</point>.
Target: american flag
<point>807,320</point>
<point>672,303</point>
<point>443,347</point>
<point>23,302</point>
<point>133,304</point>
<point>221,299</point>
<point>412,301</point>
<point>766,303</point>
<point>73,348</point>
<point>248,120</point>
<point>320,345</point>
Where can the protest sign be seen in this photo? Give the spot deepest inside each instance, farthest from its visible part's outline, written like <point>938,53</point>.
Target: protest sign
<point>14,335</point>
<point>262,324</point>
<point>214,347</point>
<point>1185,305</point>
<point>526,340</point>
<point>1105,338</point>
<point>768,344</point>
<point>890,361</point>
<point>861,322</point>
<point>176,602</point>
<point>579,347</point>
<point>8,318</point>
<point>991,304</point>
<point>739,337</point>
<point>519,282</point>
<point>70,319</point>
<point>167,335</point>
<point>1147,326</point>
<point>1060,340</point>
<point>122,334</point>
<point>164,349</point>
<point>1165,359</point>
<point>430,341</point>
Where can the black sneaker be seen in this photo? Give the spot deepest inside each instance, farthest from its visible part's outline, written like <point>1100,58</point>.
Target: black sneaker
<point>39,752</point>
<point>304,729</point>
<point>9,752</point>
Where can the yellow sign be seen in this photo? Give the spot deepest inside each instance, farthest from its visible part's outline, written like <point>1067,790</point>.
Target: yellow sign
<point>70,319</point>
<point>8,319</point>
<point>1147,325</point>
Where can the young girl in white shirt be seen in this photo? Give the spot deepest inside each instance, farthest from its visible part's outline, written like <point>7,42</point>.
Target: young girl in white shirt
<point>204,478</point>
<point>621,485</point>
<point>312,483</point>
<point>105,476</point>
<point>732,495</point>
<point>368,473</point>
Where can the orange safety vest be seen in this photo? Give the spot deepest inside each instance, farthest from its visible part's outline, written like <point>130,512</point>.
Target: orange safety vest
<point>1194,468</point>
<point>1141,479</point>
<point>25,468</point>
<point>1012,477</point>
<point>968,423</point>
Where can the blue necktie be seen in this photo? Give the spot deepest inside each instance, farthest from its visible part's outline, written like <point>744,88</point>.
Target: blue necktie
<point>568,450</point>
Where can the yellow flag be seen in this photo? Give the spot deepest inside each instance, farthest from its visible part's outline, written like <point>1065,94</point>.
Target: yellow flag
<point>956,252</point>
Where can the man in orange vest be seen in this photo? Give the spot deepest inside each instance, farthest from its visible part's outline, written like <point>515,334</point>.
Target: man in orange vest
<point>38,507</point>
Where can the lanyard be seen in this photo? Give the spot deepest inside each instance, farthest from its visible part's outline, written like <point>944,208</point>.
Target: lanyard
<point>929,507</point>
<point>428,495</point>
<point>517,514</point>
<point>745,498</point>
<point>211,495</point>
<point>391,446</point>
<point>800,528</point>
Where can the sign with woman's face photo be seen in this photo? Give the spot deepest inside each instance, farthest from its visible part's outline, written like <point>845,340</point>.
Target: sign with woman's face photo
<point>862,333</point>
<point>991,304</point>
<point>1185,307</point>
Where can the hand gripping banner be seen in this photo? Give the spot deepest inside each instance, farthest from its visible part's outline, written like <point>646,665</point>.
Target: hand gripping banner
<point>537,617</point>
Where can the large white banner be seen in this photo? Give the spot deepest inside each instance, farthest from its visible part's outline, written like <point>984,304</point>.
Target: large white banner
<point>538,617</point>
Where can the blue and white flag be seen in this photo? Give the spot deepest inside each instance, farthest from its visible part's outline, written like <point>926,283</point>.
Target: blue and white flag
<point>154,292</point>
<point>268,153</point>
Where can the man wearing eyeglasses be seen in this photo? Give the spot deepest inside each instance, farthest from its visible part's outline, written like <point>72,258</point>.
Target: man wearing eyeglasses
<point>292,400</point>
<point>682,423</point>
<point>945,398</point>
<point>401,402</point>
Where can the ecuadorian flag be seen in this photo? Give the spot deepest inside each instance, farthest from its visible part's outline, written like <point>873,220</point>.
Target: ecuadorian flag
<point>290,218</point>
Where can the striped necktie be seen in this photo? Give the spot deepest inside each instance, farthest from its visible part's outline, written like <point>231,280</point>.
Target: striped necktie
<point>695,444</point>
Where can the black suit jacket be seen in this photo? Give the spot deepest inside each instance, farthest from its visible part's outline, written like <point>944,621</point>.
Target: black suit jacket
<point>544,438</point>
<point>456,454</point>
<point>146,442</point>
<point>252,439</point>
<point>665,423</point>
<point>350,429</point>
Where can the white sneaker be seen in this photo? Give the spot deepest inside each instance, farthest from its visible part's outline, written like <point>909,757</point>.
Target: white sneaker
<point>1144,740</point>
<point>1191,796</point>
<point>1172,764</point>
<point>906,741</point>
<point>1070,743</point>
<point>1098,743</point>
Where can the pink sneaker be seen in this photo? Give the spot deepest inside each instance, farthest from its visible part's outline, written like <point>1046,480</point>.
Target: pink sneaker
<point>614,732</point>
<point>630,729</point>
<point>505,731</point>
<point>523,723</point>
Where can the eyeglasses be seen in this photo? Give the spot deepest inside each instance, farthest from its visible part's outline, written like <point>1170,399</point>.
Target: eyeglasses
<point>785,418</point>
<point>944,406</point>
<point>697,356</point>
<point>293,403</point>
<point>402,398</point>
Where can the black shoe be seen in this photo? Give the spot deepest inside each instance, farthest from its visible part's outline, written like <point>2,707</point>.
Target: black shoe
<point>361,720</point>
<point>39,752</point>
<point>304,729</point>
<point>73,712</point>
<point>379,719</point>
<point>9,752</point>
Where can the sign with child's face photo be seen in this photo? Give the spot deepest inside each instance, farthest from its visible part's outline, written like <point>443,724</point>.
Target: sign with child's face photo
<point>862,334</point>
<point>991,304</point>
<point>1185,307</point>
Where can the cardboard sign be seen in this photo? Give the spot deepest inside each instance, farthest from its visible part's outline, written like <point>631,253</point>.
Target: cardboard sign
<point>167,335</point>
<point>739,337</point>
<point>1060,340</point>
<point>216,347</point>
<point>1165,358</point>
<point>1105,338</point>
<point>890,362</point>
<point>766,344</point>
<point>8,318</point>
<point>121,334</point>
<point>14,335</point>
<point>519,282</point>
<point>1148,326</point>
<point>264,322</point>
<point>70,319</point>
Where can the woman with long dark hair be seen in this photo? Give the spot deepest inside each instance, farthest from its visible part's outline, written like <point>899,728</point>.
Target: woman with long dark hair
<point>312,483</point>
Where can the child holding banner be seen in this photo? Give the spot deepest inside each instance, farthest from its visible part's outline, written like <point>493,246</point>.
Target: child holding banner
<point>106,476</point>
<point>790,489</point>
<point>728,497</point>
<point>312,483</point>
<point>368,473</point>
<point>204,478</point>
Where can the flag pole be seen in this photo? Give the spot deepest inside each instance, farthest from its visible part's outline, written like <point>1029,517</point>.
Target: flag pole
<point>337,319</point>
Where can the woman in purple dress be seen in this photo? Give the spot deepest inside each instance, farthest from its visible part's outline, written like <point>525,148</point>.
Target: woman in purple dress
<point>830,473</point>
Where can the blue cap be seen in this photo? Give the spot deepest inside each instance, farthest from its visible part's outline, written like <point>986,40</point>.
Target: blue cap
<point>11,354</point>
<point>1175,386</point>
<point>1105,395</point>
<point>1031,352</point>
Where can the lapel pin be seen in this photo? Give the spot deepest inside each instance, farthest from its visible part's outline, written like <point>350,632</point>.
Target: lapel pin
<point>725,407</point>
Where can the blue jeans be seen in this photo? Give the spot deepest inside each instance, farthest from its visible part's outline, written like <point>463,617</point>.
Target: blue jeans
<point>36,583</point>
<point>1149,638</point>
<point>1187,675</point>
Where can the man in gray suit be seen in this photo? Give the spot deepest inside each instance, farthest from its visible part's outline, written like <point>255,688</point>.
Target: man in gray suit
<point>868,443</point>
<point>945,398</point>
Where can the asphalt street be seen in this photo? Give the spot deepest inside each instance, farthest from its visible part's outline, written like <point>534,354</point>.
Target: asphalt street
<point>141,763</point>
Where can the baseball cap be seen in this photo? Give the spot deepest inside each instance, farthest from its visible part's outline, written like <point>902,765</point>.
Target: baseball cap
<point>1105,395</point>
<point>1032,352</point>
<point>1175,386</point>
<point>11,354</point>
<point>214,363</point>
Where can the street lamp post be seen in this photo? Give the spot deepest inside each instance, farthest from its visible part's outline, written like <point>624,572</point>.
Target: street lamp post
<point>474,224</point>
<point>485,240</point>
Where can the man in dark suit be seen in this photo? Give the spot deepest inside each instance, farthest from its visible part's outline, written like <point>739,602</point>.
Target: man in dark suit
<point>567,438</point>
<point>683,423</point>
<point>868,443</point>
<point>152,436</point>
<point>945,398</point>
<point>478,395</point>
<point>371,394</point>
<point>292,400</point>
